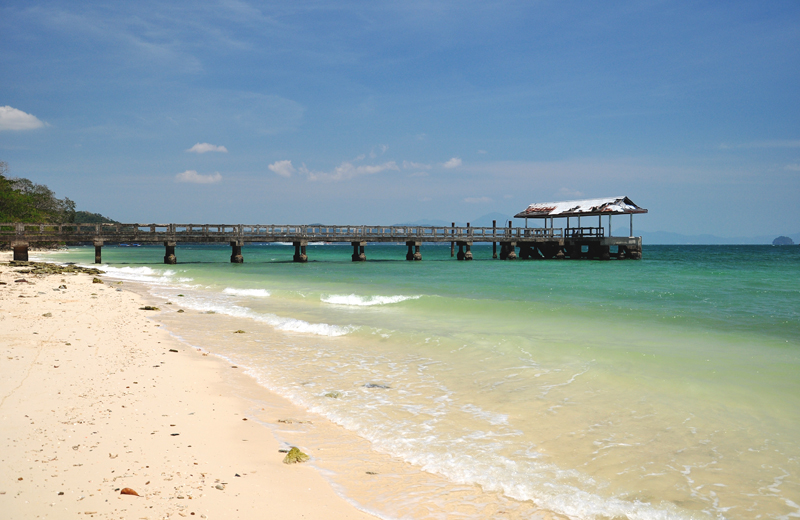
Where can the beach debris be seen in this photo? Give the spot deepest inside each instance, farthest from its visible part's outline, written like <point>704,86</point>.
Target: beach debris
<point>234,366</point>
<point>60,493</point>
<point>172,350</point>
<point>128,491</point>
<point>210,312</point>
<point>46,268</point>
<point>295,456</point>
<point>180,310</point>
<point>292,421</point>
<point>180,295</point>
<point>113,455</point>
<point>174,434</point>
<point>97,280</point>
<point>62,286</point>
<point>48,314</point>
<point>240,331</point>
<point>220,486</point>
<point>119,290</point>
<point>371,473</point>
<point>377,385</point>
<point>237,475</point>
<point>3,283</point>
<point>149,308</point>
<point>21,280</point>
<point>333,395</point>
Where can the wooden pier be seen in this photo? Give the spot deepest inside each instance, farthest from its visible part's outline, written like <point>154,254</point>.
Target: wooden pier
<point>515,242</point>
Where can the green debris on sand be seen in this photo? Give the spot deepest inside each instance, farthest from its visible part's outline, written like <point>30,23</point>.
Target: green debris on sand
<point>333,395</point>
<point>149,308</point>
<point>97,280</point>
<point>240,331</point>
<point>295,456</point>
<point>47,268</point>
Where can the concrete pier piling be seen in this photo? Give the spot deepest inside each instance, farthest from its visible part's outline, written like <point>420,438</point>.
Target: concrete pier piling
<point>300,251</point>
<point>359,254</point>
<point>413,250</point>
<point>98,251</point>
<point>20,251</point>
<point>236,252</point>
<point>169,253</point>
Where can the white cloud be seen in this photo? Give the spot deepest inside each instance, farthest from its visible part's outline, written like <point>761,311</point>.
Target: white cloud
<point>14,119</point>
<point>198,178</point>
<point>206,147</point>
<point>409,165</point>
<point>455,162</point>
<point>477,200</point>
<point>347,170</point>
<point>792,167</point>
<point>282,168</point>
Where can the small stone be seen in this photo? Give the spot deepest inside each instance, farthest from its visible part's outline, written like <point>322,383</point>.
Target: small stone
<point>60,493</point>
<point>180,310</point>
<point>128,491</point>
<point>97,280</point>
<point>48,314</point>
<point>220,487</point>
<point>295,456</point>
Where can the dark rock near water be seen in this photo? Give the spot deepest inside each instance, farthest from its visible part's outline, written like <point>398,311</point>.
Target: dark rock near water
<point>149,308</point>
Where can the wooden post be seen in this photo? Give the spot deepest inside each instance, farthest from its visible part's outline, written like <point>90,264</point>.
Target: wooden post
<point>20,251</point>
<point>169,254</point>
<point>236,252</point>
<point>494,232</point>
<point>410,253</point>
<point>631,225</point>
<point>453,244</point>
<point>609,225</point>
<point>98,246</point>
<point>460,251</point>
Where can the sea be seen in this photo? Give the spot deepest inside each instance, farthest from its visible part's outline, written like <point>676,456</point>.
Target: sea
<point>664,388</point>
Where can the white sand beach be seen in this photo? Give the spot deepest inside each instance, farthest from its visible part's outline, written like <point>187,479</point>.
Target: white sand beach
<point>96,397</point>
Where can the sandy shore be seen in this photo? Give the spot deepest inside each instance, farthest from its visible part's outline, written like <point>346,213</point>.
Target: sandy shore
<point>96,397</point>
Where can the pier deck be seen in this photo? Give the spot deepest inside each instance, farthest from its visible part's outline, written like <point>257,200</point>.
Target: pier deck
<point>576,242</point>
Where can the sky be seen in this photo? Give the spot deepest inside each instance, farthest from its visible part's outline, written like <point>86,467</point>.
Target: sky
<point>353,112</point>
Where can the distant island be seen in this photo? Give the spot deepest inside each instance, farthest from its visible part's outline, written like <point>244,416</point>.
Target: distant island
<point>783,241</point>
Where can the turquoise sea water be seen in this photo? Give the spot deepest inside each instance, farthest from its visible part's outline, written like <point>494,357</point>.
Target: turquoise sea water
<point>652,389</point>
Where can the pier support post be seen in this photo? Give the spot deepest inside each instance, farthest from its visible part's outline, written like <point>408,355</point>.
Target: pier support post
<point>605,252</point>
<point>300,251</point>
<point>413,250</point>
<point>98,255</point>
<point>169,253</point>
<point>508,250</point>
<point>635,253</point>
<point>453,244</point>
<point>236,252</point>
<point>358,251</point>
<point>20,251</point>
<point>494,232</point>
<point>464,250</point>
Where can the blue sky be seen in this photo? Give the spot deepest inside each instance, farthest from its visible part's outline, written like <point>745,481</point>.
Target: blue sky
<point>381,112</point>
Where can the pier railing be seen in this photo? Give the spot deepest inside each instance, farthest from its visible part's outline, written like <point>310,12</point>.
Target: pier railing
<point>270,233</point>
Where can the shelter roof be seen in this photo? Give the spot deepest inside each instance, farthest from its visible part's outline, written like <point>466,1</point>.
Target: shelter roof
<point>581,208</point>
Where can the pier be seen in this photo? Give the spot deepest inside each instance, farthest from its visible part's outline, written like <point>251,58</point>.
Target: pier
<point>525,243</point>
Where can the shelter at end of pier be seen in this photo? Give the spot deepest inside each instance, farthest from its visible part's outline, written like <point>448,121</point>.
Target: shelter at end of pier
<point>580,237</point>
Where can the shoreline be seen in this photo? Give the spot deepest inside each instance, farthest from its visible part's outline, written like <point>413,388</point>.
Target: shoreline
<point>96,396</point>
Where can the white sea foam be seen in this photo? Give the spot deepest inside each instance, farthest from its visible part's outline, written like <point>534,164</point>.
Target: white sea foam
<point>258,293</point>
<point>364,301</point>
<point>143,274</point>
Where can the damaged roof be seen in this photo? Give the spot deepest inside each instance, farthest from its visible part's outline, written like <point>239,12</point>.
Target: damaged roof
<point>581,208</point>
